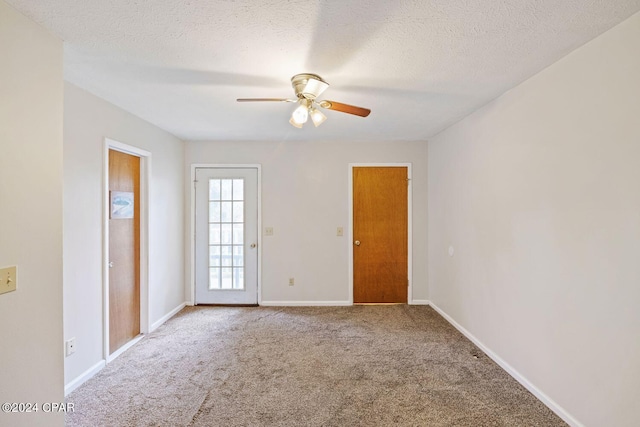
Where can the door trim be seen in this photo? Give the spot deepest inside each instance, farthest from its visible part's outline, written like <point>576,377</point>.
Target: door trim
<point>145,179</point>
<point>409,224</point>
<point>192,219</point>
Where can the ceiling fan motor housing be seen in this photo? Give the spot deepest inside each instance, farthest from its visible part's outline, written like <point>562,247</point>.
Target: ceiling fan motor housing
<point>308,86</point>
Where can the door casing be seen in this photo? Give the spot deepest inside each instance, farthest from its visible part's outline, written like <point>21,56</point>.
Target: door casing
<point>409,224</point>
<point>192,231</point>
<point>145,173</point>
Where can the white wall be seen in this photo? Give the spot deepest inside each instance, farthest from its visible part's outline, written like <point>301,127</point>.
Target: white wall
<point>31,366</point>
<point>88,120</point>
<point>304,199</point>
<point>539,194</point>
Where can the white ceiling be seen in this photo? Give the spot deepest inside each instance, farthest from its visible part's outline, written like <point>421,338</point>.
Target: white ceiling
<point>418,65</point>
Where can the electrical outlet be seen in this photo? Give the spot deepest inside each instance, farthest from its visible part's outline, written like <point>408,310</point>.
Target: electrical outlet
<point>268,231</point>
<point>340,232</point>
<point>70,346</point>
<point>8,279</point>
<point>291,281</point>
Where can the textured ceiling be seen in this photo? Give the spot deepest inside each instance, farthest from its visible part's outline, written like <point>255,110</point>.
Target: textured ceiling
<point>418,65</point>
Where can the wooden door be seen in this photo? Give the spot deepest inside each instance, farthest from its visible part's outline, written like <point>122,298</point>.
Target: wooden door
<point>380,231</point>
<point>124,248</point>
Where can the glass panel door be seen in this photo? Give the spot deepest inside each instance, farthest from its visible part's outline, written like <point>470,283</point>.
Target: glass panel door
<point>226,263</point>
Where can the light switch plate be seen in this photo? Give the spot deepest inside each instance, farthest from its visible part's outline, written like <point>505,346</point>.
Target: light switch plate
<point>268,231</point>
<point>8,279</point>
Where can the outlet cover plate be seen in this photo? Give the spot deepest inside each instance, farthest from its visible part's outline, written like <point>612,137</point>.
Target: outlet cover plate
<point>70,346</point>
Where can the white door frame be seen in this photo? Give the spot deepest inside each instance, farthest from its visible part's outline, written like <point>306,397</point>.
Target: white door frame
<point>192,233</point>
<point>409,224</point>
<point>145,179</point>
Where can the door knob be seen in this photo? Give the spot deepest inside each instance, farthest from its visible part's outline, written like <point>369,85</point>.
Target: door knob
<point>253,246</point>
<point>357,243</point>
<point>111,264</point>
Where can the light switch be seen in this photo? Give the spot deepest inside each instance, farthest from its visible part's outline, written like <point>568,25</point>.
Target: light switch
<point>340,232</point>
<point>268,231</point>
<point>8,279</point>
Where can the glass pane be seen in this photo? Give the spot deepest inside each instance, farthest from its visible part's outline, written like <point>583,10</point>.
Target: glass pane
<point>214,189</point>
<point>214,256</point>
<point>225,215</point>
<point>238,189</point>
<point>214,278</point>
<point>214,211</point>
<point>226,256</point>
<point>214,234</point>
<point>225,189</point>
<point>227,275</point>
<point>238,278</point>
<point>226,234</point>
<point>238,234</point>
<point>238,256</point>
<point>238,211</point>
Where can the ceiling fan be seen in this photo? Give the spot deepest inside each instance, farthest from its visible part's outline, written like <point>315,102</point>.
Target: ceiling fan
<point>307,88</point>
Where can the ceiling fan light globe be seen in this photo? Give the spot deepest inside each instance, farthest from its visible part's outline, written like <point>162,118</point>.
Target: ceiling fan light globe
<point>294,124</point>
<point>317,117</point>
<point>300,115</point>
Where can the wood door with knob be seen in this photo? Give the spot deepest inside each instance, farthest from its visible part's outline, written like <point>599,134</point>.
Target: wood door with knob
<point>124,249</point>
<point>380,232</point>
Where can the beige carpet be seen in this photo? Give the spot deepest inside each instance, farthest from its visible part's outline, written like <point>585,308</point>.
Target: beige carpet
<point>321,366</point>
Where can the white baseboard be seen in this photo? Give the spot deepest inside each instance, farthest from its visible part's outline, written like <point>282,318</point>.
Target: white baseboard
<point>167,316</point>
<point>325,303</point>
<point>77,382</point>
<point>550,403</point>
<point>124,348</point>
<point>304,303</point>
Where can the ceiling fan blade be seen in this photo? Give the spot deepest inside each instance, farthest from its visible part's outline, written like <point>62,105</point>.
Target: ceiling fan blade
<point>345,108</point>
<point>265,99</point>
